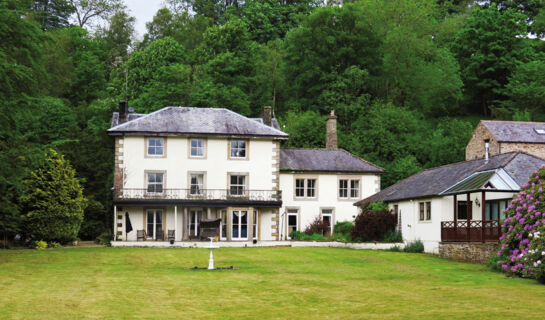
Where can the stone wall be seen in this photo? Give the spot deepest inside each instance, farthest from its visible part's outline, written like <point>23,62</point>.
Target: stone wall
<point>475,147</point>
<point>535,149</point>
<point>478,252</point>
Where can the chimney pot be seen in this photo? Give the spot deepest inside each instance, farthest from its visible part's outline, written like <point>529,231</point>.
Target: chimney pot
<point>267,115</point>
<point>331,131</point>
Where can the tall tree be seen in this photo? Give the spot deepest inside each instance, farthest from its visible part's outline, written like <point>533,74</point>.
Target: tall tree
<point>53,201</point>
<point>488,48</point>
<point>89,10</point>
<point>117,38</point>
<point>52,14</point>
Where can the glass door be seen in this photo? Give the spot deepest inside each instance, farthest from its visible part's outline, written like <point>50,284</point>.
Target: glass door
<point>240,225</point>
<point>292,222</point>
<point>195,217</point>
<point>154,222</point>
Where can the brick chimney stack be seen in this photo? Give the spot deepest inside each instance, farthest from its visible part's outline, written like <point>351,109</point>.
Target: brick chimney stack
<point>331,131</point>
<point>267,115</point>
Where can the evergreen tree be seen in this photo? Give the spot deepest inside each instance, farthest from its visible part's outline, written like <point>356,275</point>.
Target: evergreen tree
<point>53,201</point>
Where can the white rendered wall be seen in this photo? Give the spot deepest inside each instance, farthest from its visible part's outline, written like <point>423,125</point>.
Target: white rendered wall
<point>216,165</point>
<point>327,197</point>
<point>442,209</point>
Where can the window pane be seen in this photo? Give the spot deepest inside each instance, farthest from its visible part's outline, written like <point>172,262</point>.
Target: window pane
<point>311,188</point>
<point>343,188</point>
<point>238,149</point>
<point>354,188</point>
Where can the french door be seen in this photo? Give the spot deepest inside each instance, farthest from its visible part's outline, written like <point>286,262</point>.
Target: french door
<point>240,225</point>
<point>154,222</point>
<point>195,217</point>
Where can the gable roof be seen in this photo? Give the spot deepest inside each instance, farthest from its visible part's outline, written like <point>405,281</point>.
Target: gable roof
<point>325,160</point>
<point>433,182</point>
<point>195,121</point>
<point>515,131</point>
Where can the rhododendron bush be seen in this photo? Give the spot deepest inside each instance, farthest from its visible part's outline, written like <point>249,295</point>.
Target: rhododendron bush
<point>522,250</point>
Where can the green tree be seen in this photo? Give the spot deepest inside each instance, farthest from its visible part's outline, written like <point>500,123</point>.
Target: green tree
<point>87,11</point>
<point>526,90</point>
<point>488,48</point>
<point>51,14</point>
<point>328,41</point>
<point>306,129</point>
<point>116,39</point>
<point>53,201</point>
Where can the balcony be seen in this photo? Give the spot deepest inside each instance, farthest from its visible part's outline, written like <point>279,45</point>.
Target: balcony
<point>475,231</point>
<point>271,198</point>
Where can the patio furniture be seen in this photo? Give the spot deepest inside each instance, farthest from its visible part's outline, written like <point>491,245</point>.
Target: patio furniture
<point>170,235</point>
<point>140,235</point>
<point>209,228</point>
<point>160,235</point>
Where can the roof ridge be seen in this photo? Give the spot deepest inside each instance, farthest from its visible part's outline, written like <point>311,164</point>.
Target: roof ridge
<point>361,159</point>
<point>456,163</point>
<point>245,117</point>
<point>142,117</point>
<point>513,121</point>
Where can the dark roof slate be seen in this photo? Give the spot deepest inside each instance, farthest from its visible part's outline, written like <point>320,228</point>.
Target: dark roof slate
<point>324,160</point>
<point>515,131</point>
<point>431,182</point>
<point>187,120</point>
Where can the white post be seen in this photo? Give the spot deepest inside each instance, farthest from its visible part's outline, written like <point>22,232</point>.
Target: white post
<point>115,223</point>
<point>175,222</point>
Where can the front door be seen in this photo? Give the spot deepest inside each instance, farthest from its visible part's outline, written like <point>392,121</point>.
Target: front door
<point>240,225</point>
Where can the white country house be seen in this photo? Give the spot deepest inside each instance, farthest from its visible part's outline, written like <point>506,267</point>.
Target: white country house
<point>462,203</point>
<point>186,173</point>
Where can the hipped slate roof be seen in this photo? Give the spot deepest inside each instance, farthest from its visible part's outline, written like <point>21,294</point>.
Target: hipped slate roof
<point>195,121</point>
<point>515,131</point>
<point>432,182</point>
<point>324,160</point>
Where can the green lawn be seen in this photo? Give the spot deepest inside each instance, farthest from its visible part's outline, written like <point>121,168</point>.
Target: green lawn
<point>267,283</point>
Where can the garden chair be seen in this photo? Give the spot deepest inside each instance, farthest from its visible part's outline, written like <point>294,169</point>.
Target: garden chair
<point>170,235</point>
<point>160,235</point>
<point>140,235</point>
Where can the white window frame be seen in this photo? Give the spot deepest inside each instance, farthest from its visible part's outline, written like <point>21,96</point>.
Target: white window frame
<point>155,183</point>
<point>255,224</point>
<point>239,225</point>
<point>424,211</point>
<point>233,150</point>
<point>201,146</point>
<point>199,186</point>
<point>347,190</point>
<point>237,185</point>
<point>306,188</point>
<point>155,146</point>
<point>223,223</point>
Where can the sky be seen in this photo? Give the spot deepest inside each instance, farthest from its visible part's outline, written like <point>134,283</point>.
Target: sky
<point>143,11</point>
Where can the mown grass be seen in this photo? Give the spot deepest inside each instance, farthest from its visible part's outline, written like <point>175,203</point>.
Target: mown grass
<point>267,283</point>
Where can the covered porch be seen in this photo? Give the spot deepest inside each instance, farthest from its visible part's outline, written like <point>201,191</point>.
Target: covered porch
<point>159,222</point>
<point>490,192</point>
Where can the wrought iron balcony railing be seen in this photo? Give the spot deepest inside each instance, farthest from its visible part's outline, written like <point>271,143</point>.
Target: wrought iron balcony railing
<point>198,194</point>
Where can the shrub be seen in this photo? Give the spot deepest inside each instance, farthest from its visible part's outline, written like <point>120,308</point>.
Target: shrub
<point>318,226</point>
<point>301,236</point>
<point>392,236</point>
<point>39,245</point>
<point>372,226</point>
<point>414,247</point>
<point>343,227</point>
<point>53,200</point>
<point>53,244</point>
<point>522,245</point>
<point>493,263</point>
<point>395,249</point>
<point>341,237</point>
<point>104,238</point>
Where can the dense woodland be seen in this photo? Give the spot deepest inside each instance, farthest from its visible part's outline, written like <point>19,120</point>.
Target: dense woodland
<point>408,79</point>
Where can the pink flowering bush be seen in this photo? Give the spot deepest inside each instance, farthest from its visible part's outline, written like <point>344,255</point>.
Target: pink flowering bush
<point>522,250</point>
